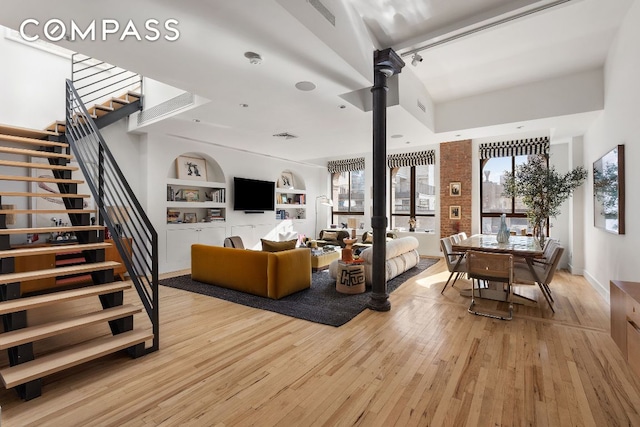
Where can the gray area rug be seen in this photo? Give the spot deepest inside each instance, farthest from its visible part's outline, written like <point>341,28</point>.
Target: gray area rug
<point>321,303</point>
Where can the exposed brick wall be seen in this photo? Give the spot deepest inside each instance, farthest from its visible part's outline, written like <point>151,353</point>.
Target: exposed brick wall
<point>455,166</point>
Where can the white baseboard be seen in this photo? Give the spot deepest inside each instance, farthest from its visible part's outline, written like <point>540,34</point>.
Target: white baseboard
<point>575,271</point>
<point>602,290</point>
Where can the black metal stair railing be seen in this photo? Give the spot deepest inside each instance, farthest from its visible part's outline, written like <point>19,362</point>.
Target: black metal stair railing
<point>119,209</point>
<point>96,80</point>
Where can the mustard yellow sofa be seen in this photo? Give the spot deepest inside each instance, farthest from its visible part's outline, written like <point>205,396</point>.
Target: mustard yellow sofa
<point>267,274</point>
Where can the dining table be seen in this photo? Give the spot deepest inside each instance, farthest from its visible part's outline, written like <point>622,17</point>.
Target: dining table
<point>524,247</point>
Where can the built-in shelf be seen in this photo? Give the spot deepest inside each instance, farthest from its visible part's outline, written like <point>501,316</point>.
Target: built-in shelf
<point>291,202</point>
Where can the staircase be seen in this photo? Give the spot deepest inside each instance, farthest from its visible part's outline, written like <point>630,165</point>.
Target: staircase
<point>26,366</point>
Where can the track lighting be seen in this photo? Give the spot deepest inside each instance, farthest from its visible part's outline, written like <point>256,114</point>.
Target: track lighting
<point>416,59</point>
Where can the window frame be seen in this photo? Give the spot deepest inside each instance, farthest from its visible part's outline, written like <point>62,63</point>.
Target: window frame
<point>412,196</point>
<point>334,212</point>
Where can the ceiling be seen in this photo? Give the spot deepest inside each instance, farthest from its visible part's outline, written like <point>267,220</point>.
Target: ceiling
<point>298,44</point>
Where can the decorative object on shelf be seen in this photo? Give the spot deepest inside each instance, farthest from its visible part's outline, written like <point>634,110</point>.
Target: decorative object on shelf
<point>608,191</point>
<point>190,217</point>
<point>173,216</point>
<point>542,190</point>
<point>455,189</point>
<point>503,231</point>
<point>347,251</point>
<point>193,168</point>
<point>191,194</point>
<point>285,180</point>
<point>10,219</point>
<point>454,212</point>
<point>412,224</point>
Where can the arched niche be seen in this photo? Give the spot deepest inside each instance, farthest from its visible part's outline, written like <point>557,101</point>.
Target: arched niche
<point>296,181</point>
<point>214,172</point>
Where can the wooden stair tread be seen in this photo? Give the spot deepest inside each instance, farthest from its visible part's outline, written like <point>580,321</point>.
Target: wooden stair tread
<point>47,211</point>
<point>39,332</point>
<point>4,231</point>
<point>57,126</point>
<point>35,153</point>
<point>55,362</point>
<point>14,305</point>
<point>25,132</point>
<point>130,94</point>
<point>55,272</point>
<point>32,141</point>
<point>53,249</point>
<point>53,195</point>
<point>39,179</point>
<point>30,165</point>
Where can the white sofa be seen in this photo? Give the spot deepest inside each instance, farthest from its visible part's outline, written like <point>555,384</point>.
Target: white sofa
<point>402,254</point>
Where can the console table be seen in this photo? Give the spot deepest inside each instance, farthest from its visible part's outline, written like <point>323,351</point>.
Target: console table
<point>625,320</point>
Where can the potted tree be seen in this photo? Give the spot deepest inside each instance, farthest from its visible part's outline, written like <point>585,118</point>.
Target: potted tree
<point>542,190</point>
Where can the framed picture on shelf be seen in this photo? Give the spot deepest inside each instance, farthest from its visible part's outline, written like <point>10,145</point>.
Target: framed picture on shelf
<point>285,180</point>
<point>191,195</point>
<point>455,188</point>
<point>193,168</point>
<point>190,217</point>
<point>454,212</point>
<point>173,216</point>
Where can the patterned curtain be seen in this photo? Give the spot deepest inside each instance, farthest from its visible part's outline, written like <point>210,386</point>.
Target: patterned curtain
<point>519,147</point>
<point>411,159</point>
<point>346,165</point>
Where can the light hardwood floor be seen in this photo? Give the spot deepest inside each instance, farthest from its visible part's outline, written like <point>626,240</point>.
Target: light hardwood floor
<point>427,362</point>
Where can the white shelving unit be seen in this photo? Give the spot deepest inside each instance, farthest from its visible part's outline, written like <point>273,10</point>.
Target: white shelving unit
<point>204,199</point>
<point>291,203</point>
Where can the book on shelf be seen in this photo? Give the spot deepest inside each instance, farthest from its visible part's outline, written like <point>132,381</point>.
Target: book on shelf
<point>173,216</point>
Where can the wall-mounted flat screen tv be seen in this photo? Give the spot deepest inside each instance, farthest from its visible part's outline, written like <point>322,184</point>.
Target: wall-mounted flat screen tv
<point>253,195</point>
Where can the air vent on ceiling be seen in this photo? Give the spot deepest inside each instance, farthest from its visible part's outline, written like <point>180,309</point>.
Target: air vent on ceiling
<point>323,11</point>
<point>421,106</point>
<point>285,135</point>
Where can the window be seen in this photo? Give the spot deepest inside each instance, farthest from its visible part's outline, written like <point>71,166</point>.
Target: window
<point>413,194</point>
<point>493,203</point>
<point>347,193</point>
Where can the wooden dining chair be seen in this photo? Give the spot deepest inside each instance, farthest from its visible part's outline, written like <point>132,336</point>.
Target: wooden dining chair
<point>490,267</point>
<point>456,262</point>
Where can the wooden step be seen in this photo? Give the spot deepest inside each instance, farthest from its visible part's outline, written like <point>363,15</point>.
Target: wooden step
<point>76,355</point>
<point>116,103</point>
<point>47,211</point>
<point>35,153</point>
<point>20,304</point>
<point>53,249</point>
<point>52,195</point>
<point>39,179</point>
<point>58,126</point>
<point>55,272</point>
<point>5,231</point>
<point>32,141</point>
<point>25,132</point>
<point>43,166</point>
<point>130,96</point>
<point>39,332</point>
<point>100,110</point>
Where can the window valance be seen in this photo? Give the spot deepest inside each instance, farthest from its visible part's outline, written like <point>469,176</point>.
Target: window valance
<point>417,158</point>
<point>346,165</point>
<point>518,147</point>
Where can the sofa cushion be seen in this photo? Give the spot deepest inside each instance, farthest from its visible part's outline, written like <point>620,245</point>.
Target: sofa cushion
<point>395,247</point>
<point>271,246</point>
<point>329,235</point>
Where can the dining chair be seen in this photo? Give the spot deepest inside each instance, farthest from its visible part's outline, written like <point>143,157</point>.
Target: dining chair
<point>233,242</point>
<point>455,238</point>
<point>544,271</point>
<point>456,262</point>
<point>490,267</point>
<point>462,235</point>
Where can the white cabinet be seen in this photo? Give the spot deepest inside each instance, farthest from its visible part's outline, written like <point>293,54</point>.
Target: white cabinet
<point>181,237</point>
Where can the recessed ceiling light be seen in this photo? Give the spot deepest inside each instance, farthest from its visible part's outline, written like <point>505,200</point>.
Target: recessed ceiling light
<point>196,120</point>
<point>396,136</point>
<point>254,58</point>
<point>243,105</point>
<point>342,106</point>
<point>408,142</point>
<point>305,86</point>
<point>458,135</point>
<point>520,127</point>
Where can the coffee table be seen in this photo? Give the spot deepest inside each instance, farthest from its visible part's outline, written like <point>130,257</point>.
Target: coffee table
<point>322,261</point>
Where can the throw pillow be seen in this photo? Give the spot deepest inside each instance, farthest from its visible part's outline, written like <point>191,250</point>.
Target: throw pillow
<point>330,235</point>
<point>369,238</point>
<point>271,246</point>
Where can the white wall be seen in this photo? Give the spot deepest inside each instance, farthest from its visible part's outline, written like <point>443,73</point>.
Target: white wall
<point>608,256</point>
